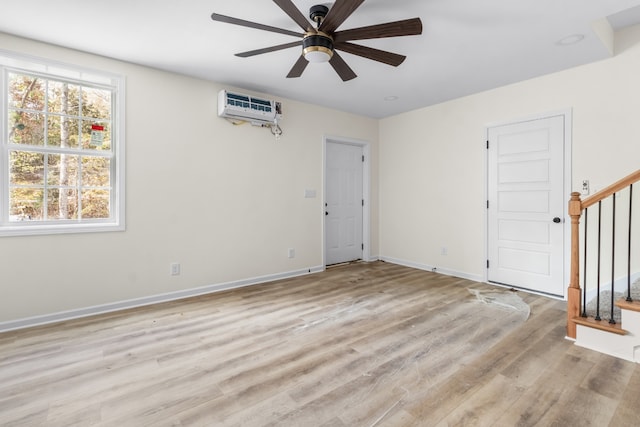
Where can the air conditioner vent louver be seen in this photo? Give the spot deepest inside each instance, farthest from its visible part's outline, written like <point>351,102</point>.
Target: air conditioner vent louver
<point>238,106</point>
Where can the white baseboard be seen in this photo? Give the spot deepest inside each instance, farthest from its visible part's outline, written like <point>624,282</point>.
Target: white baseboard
<point>153,299</point>
<point>435,269</point>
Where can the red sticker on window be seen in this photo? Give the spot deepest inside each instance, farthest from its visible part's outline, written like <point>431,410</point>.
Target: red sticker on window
<point>97,135</point>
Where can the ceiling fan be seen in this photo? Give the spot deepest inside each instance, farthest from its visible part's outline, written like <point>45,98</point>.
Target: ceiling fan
<point>320,44</point>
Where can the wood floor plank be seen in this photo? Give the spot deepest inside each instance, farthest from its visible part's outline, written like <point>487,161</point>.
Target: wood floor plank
<point>545,393</point>
<point>527,368</point>
<point>366,344</point>
<point>485,405</point>
<point>581,408</point>
<point>627,410</point>
<point>273,407</point>
<point>434,403</point>
<point>610,377</point>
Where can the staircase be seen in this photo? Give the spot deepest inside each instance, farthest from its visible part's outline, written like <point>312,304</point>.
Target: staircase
<point>607,258</point>
<point>612,340</point>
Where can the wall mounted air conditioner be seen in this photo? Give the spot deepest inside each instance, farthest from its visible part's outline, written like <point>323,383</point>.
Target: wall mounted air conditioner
<point>237,106</point>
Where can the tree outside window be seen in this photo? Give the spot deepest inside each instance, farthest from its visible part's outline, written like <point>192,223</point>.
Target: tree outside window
<point>58,149</point>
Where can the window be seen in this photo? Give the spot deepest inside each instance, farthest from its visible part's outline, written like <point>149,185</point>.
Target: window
<point>62,149</point>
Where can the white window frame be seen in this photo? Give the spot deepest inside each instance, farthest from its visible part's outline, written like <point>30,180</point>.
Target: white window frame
<point>46,68</point>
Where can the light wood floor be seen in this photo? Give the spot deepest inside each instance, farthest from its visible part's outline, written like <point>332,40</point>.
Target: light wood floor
<point>358,345</point>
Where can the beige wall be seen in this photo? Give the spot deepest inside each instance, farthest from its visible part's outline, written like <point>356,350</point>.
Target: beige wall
<point>225,201</point>
<point>432,161</point>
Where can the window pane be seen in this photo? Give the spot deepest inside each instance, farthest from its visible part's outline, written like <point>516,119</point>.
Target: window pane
<point>96,103</point>
<point>60,153</point>
<point>64,98</point>
<point>26,204</point>
<point>27,168</point>
<point>62,132</point>
<point>26,128</point>
<point>26,92</point>
<point>96,135</point>
<point>62,204</point>
<point>96,171</point>
<point>95,204</point>
<point>62,170</point>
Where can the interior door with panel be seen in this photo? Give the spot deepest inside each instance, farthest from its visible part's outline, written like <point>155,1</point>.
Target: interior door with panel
<point>343,203</point>
<point>526,205</point>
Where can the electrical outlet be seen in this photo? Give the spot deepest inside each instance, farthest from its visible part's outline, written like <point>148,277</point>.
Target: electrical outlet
<point>585,187</point>
<point>175,268</point>
<point>292,253</point>
<point>443,250</point>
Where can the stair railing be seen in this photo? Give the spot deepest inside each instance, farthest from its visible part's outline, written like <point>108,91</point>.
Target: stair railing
<point>576,296</point>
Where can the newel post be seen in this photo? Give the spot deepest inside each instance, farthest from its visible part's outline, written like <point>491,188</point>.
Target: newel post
<point>574,292</point>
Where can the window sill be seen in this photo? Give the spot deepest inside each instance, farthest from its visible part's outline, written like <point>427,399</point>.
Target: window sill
<point>41,229</point>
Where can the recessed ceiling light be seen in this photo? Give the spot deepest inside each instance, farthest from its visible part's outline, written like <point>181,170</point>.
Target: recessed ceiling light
<point>569,40</point>
<point>391,98</point>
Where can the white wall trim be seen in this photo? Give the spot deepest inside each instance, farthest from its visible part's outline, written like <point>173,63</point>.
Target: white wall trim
<point>153,299</point>
<point>461,275</point>
<point>445,271</point>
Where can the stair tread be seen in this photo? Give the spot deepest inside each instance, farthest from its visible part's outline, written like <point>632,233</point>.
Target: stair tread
<point>603,325</point>
<point>628,305</point>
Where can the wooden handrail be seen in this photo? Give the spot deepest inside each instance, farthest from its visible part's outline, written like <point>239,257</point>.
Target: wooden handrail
<point>613,188</point>
<point>576,207</point>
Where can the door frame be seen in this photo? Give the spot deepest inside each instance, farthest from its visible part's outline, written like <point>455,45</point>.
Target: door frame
<point>567,114</point>
<point>366,192</point>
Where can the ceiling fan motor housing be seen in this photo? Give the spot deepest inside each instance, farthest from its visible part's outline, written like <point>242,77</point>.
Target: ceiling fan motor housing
<point>317,42</point>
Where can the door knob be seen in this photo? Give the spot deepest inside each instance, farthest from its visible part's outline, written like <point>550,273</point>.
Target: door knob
<point>326,213</point>
<point>557,220</point>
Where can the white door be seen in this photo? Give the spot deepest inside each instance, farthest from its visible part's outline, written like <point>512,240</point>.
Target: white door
<point>526,205</point>
<point>343,203</point>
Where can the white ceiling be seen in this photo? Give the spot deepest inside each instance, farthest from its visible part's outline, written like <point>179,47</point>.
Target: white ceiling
<point>467,46</point>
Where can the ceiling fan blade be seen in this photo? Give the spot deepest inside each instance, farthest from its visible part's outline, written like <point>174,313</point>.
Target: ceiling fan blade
<point>267,49</point>
<point>294,13</point>
<point>338,13</point>
<point>406,27</point>
<point>298,67</point>
<point>371,53</point>
<point>242,22</point>
<point>344,71</point>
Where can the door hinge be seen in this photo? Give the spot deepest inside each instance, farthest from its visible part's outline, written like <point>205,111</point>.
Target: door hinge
<point>362,246</point>
<point>487,204</point>
<point>487,144</point>
<point>362,202</point>
<point>487,263</point>
<point>363,158</point>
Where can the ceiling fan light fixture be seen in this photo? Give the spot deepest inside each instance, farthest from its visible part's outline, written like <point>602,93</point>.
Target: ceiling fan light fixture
<point>317,54</point>
<point>318,43</point>
<point>317,47</point>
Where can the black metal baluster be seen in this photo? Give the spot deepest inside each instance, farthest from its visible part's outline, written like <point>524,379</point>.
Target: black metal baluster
<point>629,248</point>
<point>613,258</point>
<point>598,283</point>
<point>584,280</point>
